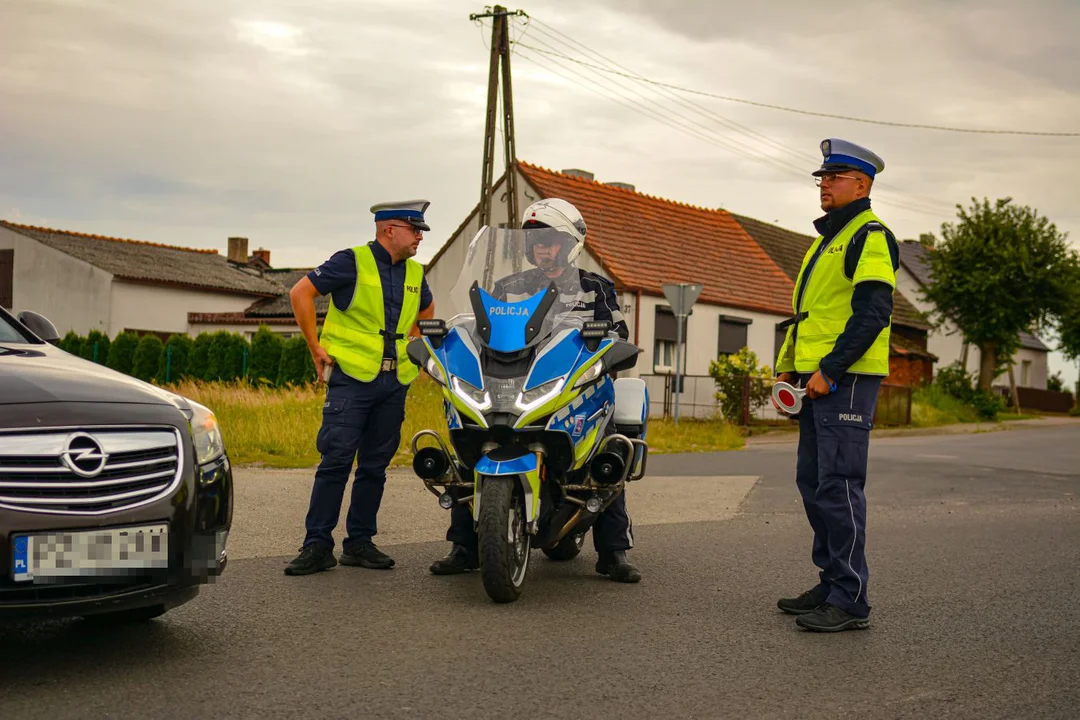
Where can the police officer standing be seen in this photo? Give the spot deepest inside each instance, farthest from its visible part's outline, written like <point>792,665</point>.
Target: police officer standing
<point>837,347</point>
<point>377,293</point>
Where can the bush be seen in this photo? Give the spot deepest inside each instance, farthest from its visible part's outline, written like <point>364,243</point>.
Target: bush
<point>957,382</point>
<point>228,356</point>
<point>122,352</point>
<point>199,360</point>
<point>147,358</point>
<point>72,342</point>
<point>297,367</point>
<point>266,349</point>
<point>175,359</point>
<point>1075,411</point>
<point>729,373</point>
<point>1055,382</point>
<point>96,347</point>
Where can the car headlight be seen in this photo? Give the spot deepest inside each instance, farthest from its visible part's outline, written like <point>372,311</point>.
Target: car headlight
<point>589,375</point>
<point>435,371</point>
<point>479,400</point>
<point>206,434</point>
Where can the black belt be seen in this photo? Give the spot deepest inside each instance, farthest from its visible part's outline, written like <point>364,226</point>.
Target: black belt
<point>392,336</point>
<point>793,320</point>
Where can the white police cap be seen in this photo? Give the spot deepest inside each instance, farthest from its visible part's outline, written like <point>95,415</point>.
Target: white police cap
<point>843,155</point>
<point>411,211</point>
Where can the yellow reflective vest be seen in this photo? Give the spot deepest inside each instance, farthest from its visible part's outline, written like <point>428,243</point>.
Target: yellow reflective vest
<point>354,337</point>
<point>826,300</point>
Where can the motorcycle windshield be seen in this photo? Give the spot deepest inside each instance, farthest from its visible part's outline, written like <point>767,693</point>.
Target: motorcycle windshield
<point>517,289</point>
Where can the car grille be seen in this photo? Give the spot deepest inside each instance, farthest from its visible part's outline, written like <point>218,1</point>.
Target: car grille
<point>88,472</point>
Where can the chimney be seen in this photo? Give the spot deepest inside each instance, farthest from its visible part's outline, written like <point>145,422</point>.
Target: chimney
<point>624,186</point>
<point>238,250</point>
<point>264,255</point>
<point>578,173</point>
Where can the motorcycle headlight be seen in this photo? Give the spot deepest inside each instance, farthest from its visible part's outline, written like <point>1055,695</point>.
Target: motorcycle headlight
<point>206,434</point>
<point>479,400</point>
<point>435,371</point>
<point>589,375</point>
<point>537,396</point>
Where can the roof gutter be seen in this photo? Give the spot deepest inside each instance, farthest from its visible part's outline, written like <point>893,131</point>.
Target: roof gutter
<point>637,317</point>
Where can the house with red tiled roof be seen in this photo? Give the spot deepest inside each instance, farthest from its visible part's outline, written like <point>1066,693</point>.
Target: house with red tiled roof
<point>641,242</point>
<point>85,282</point>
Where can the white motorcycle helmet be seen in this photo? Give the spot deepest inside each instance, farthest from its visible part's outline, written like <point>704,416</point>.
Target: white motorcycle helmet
<point>558,215</point>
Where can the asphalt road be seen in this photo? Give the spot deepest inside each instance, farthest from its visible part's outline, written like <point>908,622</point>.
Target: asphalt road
<point>974,552</point>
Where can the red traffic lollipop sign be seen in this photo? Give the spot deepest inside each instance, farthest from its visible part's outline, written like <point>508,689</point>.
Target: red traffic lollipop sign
<point>787,398</point>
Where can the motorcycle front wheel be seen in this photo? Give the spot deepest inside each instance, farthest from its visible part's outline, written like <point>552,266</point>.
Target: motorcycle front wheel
<point>503,541</point>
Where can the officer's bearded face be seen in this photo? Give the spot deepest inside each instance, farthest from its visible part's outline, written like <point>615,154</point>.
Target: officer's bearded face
<point>403,240</point>
<point>841,189</point>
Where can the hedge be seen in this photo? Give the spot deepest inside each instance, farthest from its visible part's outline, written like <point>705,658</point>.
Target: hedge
<point>217,356</point>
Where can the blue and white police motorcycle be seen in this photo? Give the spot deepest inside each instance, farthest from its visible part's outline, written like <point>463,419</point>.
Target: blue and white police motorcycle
<point>541,437</point>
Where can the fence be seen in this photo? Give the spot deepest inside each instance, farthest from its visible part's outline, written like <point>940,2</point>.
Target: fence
<point>1037,399</point>
<point>751,405</point>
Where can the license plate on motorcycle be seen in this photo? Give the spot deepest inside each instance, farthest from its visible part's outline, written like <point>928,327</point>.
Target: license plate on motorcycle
<point>90,553</point>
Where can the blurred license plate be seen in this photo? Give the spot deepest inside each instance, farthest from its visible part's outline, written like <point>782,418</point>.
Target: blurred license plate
<point>91,553</point>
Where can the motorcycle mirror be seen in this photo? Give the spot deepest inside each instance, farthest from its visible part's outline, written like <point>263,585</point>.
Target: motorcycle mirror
<point>40,326</point>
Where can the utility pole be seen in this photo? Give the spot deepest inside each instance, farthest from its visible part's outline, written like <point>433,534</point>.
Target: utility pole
<point>500,58</point>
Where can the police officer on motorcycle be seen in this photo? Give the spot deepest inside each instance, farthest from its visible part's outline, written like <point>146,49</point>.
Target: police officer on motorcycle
<point>553,256</point>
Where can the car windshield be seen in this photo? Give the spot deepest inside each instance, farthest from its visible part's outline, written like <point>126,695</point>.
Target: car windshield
<point>8,333</point>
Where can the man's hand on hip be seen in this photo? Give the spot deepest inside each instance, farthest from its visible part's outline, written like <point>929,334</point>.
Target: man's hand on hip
<point>818,385</point>
<point>322,361</point>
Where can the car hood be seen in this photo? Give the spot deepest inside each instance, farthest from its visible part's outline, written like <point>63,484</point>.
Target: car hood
<point>44,373</point>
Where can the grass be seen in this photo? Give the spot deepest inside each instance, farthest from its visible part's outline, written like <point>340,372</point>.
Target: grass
<point>277,427</point>
<point>930,407</point>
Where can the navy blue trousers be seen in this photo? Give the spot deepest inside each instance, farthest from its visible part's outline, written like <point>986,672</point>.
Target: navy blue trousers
<point>834,439</point>
<point>361,422</point>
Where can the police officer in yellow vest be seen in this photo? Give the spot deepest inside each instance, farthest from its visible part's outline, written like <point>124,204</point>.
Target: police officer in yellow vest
<point>837,347</point>
<point>377,293</point>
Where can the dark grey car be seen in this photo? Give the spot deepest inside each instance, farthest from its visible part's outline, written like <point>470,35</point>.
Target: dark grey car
<point>116,496</point>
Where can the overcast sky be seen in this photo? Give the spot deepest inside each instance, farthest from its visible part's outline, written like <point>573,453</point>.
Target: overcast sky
<point>189,121</point>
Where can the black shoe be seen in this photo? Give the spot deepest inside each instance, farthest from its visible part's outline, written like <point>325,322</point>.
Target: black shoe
<point>460,559</point>
<point>617,567</point>
<point>312,559</point>
<point>366,555</point>
<point>808,602</point>
<point>829,618</point>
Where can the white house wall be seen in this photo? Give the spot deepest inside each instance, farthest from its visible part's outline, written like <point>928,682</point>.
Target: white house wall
<point>703,332</point>
<point>160,308</point>
<point>71,293</point>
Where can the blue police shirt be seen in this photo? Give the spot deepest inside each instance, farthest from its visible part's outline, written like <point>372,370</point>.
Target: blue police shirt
<point>337,276</point>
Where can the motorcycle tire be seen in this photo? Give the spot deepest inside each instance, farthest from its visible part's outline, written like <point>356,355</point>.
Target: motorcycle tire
<point>503,562</point>
<point>566,549</point>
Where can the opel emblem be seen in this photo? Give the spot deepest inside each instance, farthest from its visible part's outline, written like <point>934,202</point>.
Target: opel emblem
<point>84,455</point>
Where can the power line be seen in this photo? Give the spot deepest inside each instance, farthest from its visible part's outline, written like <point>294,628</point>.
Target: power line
<point>798,111</point>
<point>926,204</point>
<point>931,206</point>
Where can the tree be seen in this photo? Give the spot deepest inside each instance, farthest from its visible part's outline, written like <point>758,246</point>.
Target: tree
<point>147,357</point>
<point>266,347</point>
<point>297,367</point>
<point>71,343</point>
<point>227,357</point>
<point>999,271</point>
<point>200,356</point>
<point>174,360</point>
<point>122,352</point>
<point>96,347</point>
